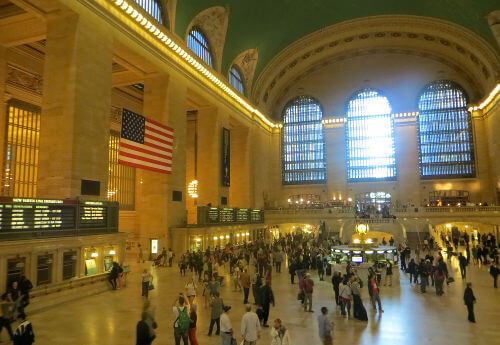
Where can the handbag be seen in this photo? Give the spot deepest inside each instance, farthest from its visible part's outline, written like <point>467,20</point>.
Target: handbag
<point>151,286</point>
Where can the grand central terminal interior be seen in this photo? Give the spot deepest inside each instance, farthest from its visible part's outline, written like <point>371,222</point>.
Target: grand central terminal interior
<point>150,148</point>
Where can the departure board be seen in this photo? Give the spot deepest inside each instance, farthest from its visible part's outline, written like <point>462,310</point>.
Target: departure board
<point>256,216</point>
<point>93,214</point>
<point>242,215</point>
<point>24,215</point>
<point>213,215</point>
<point>226,215</point>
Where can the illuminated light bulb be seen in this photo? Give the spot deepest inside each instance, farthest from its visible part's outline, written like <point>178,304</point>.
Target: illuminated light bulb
<point>144,22</point>
<point>94,255</point>
<point>198,240</point>
<point>148,24</point>
<point>216,238</point>
<point>221,237</point>
<point>157,32</point>
<point>124,5</point>
<point>227,236</point>
<point>112,252</point>
<point>129,10</point>
<point>134,14</point>
<point>139,18</point>
<point>164,38</point>
<point>152,28</point>
<point>118,2</point>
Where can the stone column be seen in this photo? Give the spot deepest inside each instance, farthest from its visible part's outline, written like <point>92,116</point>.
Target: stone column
<point>3,100</point>
<point>209,137</point>
<point>240,194</point>
<point>164,102</point>
<point>75,108</point>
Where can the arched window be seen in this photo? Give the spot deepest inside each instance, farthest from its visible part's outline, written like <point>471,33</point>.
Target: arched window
<point>370,138</point>
<point>153,8</point>
<point>236,80</point>
<point>446,148</point>
<point>198,43</point>
<point>303,144</point>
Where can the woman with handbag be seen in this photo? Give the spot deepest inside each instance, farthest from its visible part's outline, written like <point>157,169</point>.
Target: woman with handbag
<point>190,288</point>
<point>280,334</point>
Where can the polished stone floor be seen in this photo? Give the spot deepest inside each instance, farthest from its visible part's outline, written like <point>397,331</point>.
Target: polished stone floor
<point>410,317</point>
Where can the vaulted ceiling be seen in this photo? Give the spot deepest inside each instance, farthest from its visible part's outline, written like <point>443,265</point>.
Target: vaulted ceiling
<point>271,25</point>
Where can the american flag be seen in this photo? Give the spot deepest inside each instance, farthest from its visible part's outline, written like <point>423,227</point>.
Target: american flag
<point>145,143</point>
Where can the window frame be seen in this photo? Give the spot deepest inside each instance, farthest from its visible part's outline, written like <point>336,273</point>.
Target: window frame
<point>206,46</point>
<point>159,15</point>
<point>323,144</point>
<point>392,131</point>
<point>470,132</point>
<point>238,77</point>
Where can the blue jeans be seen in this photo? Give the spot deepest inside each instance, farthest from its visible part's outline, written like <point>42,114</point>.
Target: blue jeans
<point>226,338</point>
<point>178,335</point>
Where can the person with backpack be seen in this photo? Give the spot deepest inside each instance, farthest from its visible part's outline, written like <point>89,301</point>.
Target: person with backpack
<point>23,335</point>
<point>181,323</point>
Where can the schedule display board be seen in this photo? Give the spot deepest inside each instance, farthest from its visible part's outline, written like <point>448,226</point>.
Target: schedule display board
<point>212,215</point>
<point>20,217</point>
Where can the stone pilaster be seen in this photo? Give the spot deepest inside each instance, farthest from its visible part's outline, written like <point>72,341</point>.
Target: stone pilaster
<point>3,101</point>
<point>240,194</point>
<point>75,108</point>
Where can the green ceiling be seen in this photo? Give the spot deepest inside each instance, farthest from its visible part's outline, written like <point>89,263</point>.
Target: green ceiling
<point>271,25</point>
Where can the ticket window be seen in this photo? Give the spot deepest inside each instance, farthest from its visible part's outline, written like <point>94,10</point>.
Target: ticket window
<point>109,258</point>
<point>44,269</point>
<point>91,256</point>
<point>69,265</point>
<point>15,269</point>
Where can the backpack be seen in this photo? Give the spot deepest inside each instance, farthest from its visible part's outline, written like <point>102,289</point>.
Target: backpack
<point>182,320</point>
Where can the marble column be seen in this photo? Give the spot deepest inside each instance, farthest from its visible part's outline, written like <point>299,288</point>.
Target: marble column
<point>164,102</point>
<point>209,138</point>
<point>240,194</point>
<point>3,99</point>
<point>76,103</point>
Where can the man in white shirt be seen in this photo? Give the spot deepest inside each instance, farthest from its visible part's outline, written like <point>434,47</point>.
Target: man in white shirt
<point>226,329</point>
<point>250,327</point>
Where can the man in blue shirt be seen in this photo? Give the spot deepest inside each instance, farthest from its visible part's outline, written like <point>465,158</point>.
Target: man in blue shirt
<point>325,327</point>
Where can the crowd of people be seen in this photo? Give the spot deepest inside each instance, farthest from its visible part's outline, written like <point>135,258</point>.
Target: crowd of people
<point>249,269</point>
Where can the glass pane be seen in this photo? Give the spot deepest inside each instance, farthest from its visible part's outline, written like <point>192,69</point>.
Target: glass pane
<point>199,45</point>
<point>446,149</point>
<point>152,7</point>
<point>236,80</point>
<point>303,144</point>
<point>370,138</point>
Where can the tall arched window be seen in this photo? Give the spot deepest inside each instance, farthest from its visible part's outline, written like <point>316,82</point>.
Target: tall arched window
<point>198,43</point>
<point>303,143</point>
<point>236,80</point>
<point>370,138</point>
<point>153,8</point>
<point>446,148</point>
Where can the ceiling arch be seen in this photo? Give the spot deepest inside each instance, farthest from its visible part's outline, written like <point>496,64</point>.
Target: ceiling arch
<point>428,37</point>
<point>270,26</point>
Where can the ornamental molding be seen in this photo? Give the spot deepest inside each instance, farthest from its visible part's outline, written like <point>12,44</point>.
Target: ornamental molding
<point>213,22</point>
<point>246,62</point>
<point>427,35</point>
<point>24,80</point>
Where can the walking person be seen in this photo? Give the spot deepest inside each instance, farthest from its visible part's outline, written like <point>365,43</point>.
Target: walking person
<point>336,280</point>
<point>375,294</point>
<point>150,320</point>
<point>144,335</point>
<point>345,298</point>
<point>226,328</point>
<point>388,273</point>
<point>266,298</point>
<point>494,270</point>
<point>280,334</point>
<point>325,327</point>
<point>216,309</point>
<point>147,279</point>
<point>190,288</point>
<point>23,335</point>
<point>237,278</point>
<point>359,310</point>
<point>193,319</point>
<point>462,262</point>
<point>250,327</point>
<point>181,323</point>
<point>308,291</point>
<point>469,301</point>
<point>245,284</point>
